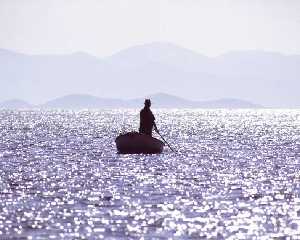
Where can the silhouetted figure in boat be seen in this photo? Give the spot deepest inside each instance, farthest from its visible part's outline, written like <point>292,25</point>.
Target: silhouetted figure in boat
<point>147,119</point>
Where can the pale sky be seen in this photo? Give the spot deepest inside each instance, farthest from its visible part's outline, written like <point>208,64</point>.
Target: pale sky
<point>103,27</point>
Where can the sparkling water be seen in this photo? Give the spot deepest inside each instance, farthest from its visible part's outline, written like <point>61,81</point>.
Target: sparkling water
<point>235,175</point>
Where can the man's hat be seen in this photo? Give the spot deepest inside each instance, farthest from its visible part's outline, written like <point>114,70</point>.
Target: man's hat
<point>147,102</point>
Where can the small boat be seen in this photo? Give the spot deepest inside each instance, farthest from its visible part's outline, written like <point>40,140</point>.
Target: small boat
<point>134,143</point>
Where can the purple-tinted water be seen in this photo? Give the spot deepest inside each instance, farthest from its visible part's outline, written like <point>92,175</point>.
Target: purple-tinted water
<point>236,176</point>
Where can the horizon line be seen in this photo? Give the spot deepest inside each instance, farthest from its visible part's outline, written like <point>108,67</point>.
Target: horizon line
<point>130,99</point>
<point>117,51</point>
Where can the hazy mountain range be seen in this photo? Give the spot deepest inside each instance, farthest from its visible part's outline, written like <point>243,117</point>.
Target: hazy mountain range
<point>270,79</point>
<point>159,100</point>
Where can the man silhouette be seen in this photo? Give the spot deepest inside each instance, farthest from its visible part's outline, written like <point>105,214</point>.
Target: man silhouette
<point>147,119</point>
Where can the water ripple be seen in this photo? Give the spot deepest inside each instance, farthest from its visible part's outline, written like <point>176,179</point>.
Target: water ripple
<point>236,176</point>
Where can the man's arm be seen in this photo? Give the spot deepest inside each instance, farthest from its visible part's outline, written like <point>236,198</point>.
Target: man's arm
<point>155,127</point>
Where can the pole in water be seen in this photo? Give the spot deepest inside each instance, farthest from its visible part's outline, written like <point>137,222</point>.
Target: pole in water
<point>166,141</point>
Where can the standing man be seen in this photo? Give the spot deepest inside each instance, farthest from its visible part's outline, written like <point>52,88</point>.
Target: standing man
<point>147,119</point>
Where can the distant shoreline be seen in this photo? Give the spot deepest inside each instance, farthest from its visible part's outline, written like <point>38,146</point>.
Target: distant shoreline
<point>257,77</point>
<point>160,100</point>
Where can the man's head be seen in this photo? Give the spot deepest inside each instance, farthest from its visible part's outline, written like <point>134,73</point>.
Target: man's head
<point>147,103</point>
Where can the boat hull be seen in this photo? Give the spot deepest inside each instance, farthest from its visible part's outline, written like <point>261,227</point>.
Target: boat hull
<point>136,143</point>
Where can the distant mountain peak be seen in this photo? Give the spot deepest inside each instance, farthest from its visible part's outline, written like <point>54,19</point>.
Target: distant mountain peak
<point>161,46</point>
<point>15,104</point>
<point>161,95</point>
<point>81,54</point>
<point>159,100</point>
<point>157,49</point>
<point>269,78</point>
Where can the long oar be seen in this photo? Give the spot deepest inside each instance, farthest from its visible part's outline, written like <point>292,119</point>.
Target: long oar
<point>165,141</point>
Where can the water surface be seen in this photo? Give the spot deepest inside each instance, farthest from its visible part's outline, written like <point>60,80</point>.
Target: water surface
<point>235,176</point>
